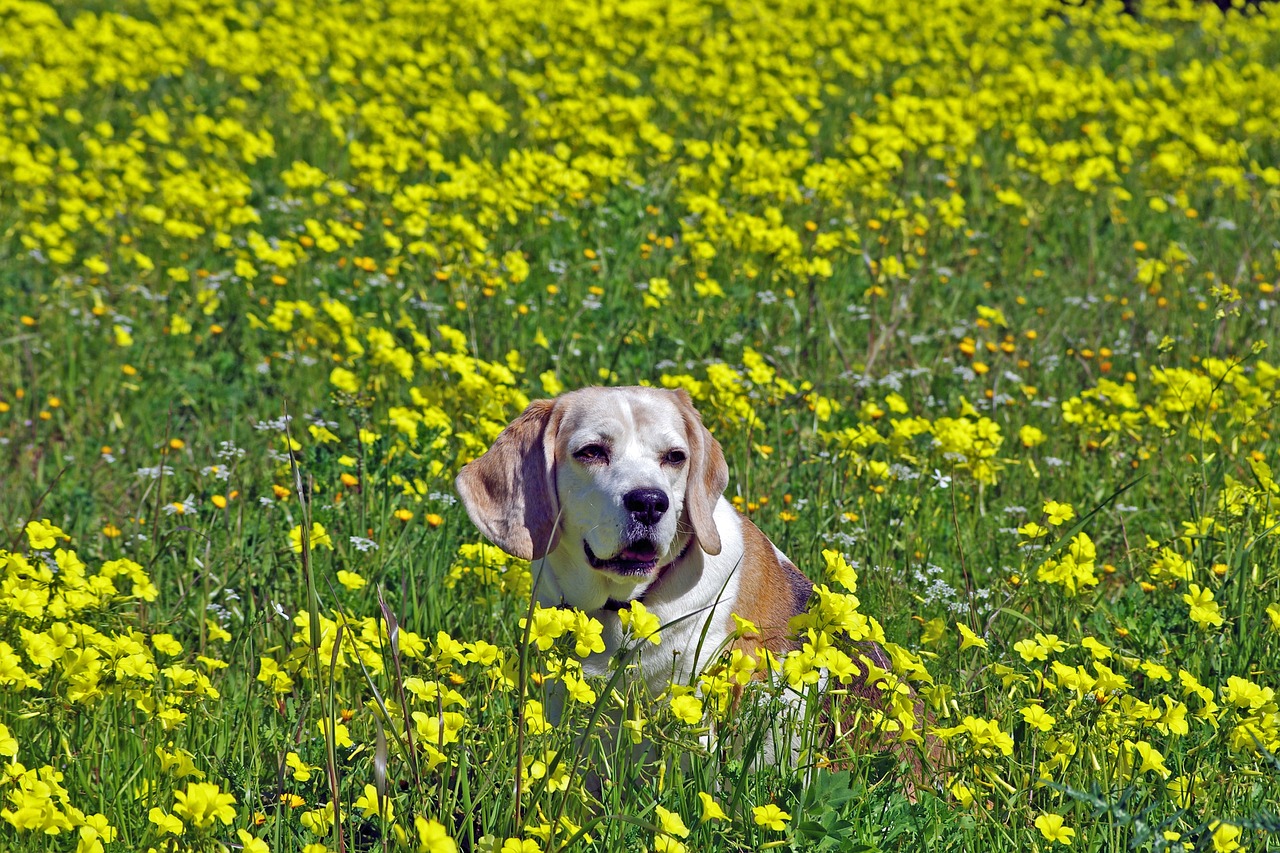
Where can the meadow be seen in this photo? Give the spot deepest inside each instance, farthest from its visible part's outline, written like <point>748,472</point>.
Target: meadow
<point>978,298</point>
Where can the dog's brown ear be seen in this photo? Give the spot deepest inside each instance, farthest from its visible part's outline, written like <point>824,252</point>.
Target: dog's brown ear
<point>708,475</point>
<point>509,492</point>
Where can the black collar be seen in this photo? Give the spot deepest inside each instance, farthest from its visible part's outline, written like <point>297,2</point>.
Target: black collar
<point>613,605</point>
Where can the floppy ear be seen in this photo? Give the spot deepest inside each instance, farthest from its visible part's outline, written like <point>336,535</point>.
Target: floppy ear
<point>510,492</point>
<point>708,475</point>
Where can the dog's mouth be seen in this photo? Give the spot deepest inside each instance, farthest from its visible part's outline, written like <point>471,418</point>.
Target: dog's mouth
<point>638,558</point>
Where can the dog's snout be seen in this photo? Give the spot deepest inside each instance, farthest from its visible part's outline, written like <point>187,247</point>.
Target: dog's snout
<point>646,505</point>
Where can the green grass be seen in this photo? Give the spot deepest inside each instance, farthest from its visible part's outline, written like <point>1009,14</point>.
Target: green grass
<point>758,203</point>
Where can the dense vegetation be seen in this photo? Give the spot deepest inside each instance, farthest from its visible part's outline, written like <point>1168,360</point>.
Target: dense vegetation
<point>977,300</point>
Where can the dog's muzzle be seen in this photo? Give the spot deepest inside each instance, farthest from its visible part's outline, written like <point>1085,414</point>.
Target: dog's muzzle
<point>638,558</point>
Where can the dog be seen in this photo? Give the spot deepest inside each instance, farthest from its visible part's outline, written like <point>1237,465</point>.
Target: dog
<point>617,496</point>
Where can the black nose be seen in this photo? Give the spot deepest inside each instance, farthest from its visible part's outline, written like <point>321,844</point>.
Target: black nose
<point>646,505</point>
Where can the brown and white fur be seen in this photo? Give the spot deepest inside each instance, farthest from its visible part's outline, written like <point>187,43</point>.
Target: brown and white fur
<point>616,494</point>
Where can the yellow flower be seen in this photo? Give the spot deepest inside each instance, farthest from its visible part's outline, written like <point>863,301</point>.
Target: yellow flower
<point>968,639</point>
<point>1031,436</point>
<point>1030,650</point>
<point>708,289</point>
<point>318,537</point>
<point>1185,790</point>
<point>1058,513</point>
<point>517,845</point>
<point>1099,650</point>
<point>578,689</point>
<point>1205,612</point>
<point>250,844</point>
<point>1108,680</point>
<point>669,844</point>
<point>1226,837</point>
<point>839,571</point>
<point>1051,827</point>
<point>635,728</point>
<point>344,380</point>
<point>551,384</point>
<point>351,580</point>
<point>671,823</point>
<point>318,821</point>
<point>95,830</point>
<point>341,735</point>
<point>44,534</point>
<point>178,763</point>
<point>710,808</point>
<point>643,624</point>
<point>202,803</point>
<point>370,804</point>
<point>1037,717</point>
<point>1031,530</point>
<point>1151,760</point>
<point>934,630</point>
<point>687,709</point>
<point>770,817</point>
<point>588,634</point>
<point>299,769</point>
<point>656,292</point>
<point>549,624</point>
<point>270,673</point>
<point>433,837</point>
<point>167,822</point>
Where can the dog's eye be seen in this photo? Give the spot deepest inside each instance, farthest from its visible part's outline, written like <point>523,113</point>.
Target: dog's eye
<point>592,453</point>
<point>673,457</point>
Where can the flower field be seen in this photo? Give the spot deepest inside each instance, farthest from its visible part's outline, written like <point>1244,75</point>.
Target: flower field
<point>980,299</point>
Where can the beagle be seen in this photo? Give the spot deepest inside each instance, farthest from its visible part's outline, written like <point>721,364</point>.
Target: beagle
<point>616,494</point>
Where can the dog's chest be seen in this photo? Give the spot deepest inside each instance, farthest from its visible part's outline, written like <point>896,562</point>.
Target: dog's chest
<point>685,647</point>
<point>692,604</point>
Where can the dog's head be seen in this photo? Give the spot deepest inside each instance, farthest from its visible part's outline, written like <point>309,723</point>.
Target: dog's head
<point>610,484</point>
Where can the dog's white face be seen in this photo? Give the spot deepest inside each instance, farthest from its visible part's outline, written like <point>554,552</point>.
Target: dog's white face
<point>621,483</point>
<point>609,484</point>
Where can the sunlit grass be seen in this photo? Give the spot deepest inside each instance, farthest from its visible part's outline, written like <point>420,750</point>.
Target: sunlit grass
<point>977,298</point>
